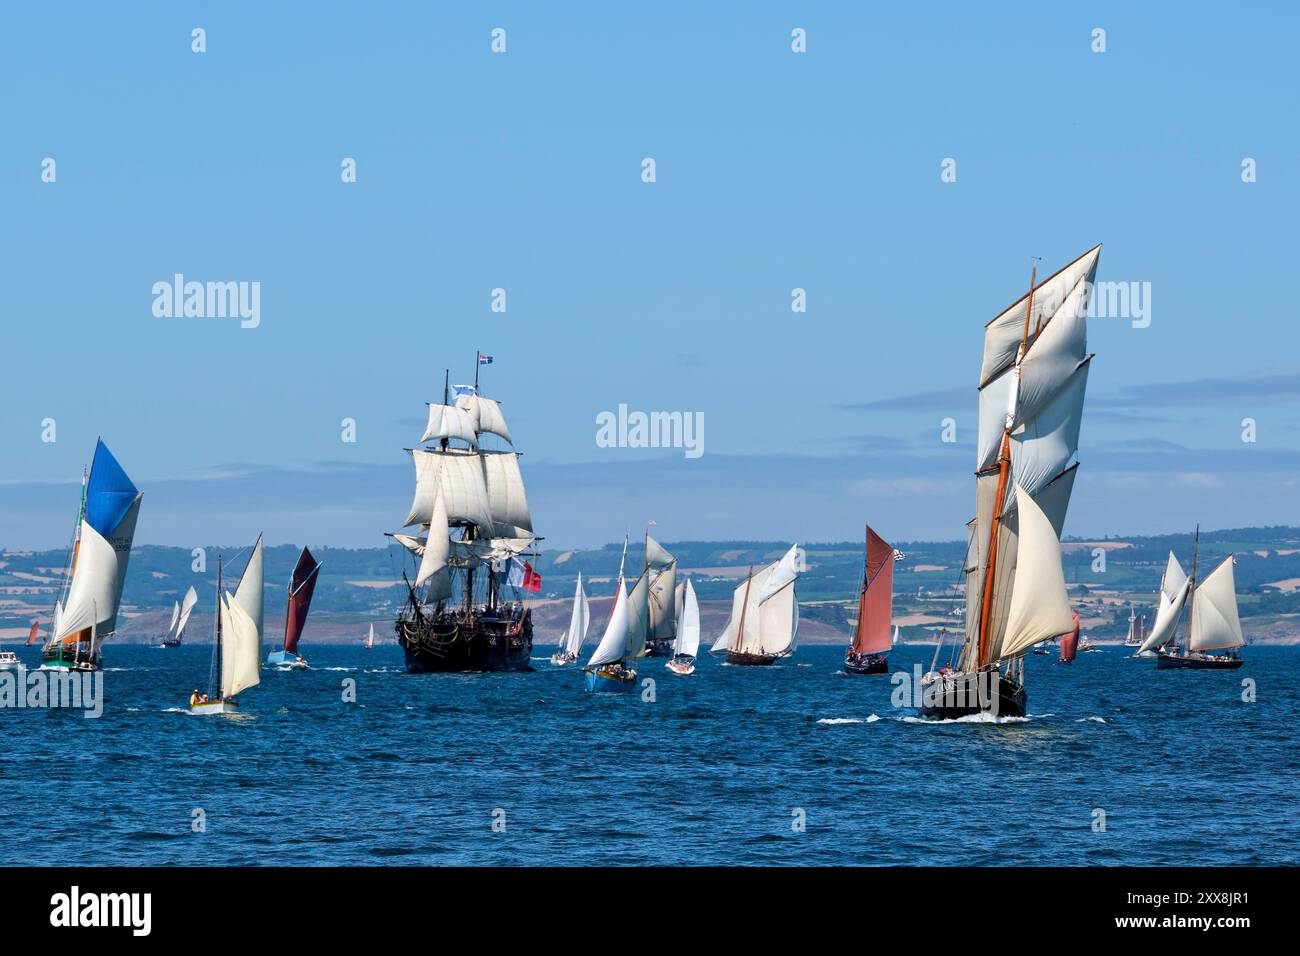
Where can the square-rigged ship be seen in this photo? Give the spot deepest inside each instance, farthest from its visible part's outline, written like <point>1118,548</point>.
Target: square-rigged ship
<point>472,512</point>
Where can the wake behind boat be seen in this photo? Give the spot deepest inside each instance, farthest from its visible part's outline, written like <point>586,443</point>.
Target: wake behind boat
<point>302,585</point>
<point>872,639</point>
<point>1031,388</point>
<point>237,640</point>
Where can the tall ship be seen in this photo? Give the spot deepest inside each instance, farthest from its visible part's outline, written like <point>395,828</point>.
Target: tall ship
<point>181,611</point>
<point>1137,630</point>
<point>464,609</point>
<point>1213,623</point>
<point>1031,388</point>
<point>764,622</point>
<point>872,639</point>
<point>85,614</point>
<point>302,585</point>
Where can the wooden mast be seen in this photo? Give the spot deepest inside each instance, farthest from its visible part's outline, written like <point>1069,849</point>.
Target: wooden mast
<point>1191,591</point>
<point>1004,467</point>
<point>744,605</point>
<point>862,592</point>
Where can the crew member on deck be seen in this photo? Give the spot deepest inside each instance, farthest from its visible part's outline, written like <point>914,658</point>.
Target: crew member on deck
<point>194,697</point>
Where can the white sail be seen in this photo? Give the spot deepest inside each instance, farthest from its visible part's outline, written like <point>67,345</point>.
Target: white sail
<point>241,642</point>
<point>1040,605</point>
<point>485,415</point>
<point>679,596</point>
<point>98,576</point>
<point>1166,623</point>
<point>1173,579</point>
<point>507,501</point>
<point>176,616</point>
<point>613,645</point>
<point>656,558</point>
<point>249,594</point>
<point>781,573</point>
<point>893,642</point>
<point>186,608</point>
<point>688,629</point>
<point>638,616</point>
<point>1042,446</point>
<point>434,568</point>
<point>579,621</point>
<point>449,421</point>
<point>1215,624</point>
<point>409,541</point>
<point>456,476</point>
<point>778,617</point>
<point>370,641</point>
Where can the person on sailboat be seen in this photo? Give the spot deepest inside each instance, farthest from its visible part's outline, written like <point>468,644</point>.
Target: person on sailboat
<point>194,697</point>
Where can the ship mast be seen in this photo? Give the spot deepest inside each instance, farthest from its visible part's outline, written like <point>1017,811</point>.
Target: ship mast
<point>214,670</point>
<point>744,606</point>
<point>1191,590</point>
<point>1004,467</point>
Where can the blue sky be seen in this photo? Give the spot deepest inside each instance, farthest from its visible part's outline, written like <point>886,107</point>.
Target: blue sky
<point>522,171</point>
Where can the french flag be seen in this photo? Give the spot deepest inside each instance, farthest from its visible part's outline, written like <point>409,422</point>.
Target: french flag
<point>523,576</point>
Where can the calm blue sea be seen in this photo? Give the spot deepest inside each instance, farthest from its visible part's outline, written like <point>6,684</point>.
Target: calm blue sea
<point>714,771</point>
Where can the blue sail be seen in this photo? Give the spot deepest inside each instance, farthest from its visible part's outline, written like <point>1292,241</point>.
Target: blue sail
<point>109,492</point>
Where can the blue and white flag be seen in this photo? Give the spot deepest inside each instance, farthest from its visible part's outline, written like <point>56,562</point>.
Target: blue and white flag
<point>458,390</point>
<point>484,359</point>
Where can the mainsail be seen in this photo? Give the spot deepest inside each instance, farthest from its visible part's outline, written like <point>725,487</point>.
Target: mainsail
<point>579,621</point>
<point>1032,383</point>
<point>661,592</point>
<point>241,628</point>
<point>871,635</point>
<point>302,584</point>
<point>688,629</point>
<point>764,611</point>
<point>1215,624</point>
<point>105,530</point>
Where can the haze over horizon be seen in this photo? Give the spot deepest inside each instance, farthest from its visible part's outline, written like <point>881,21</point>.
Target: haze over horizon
<point>775,171</point>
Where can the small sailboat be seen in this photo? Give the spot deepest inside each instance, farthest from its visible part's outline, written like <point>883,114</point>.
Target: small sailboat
<point>764,622</point>
<point>871,637</point>
<point>1070,642</point>
<point>180,617</point>
<point>571,642</point>
<point>370,638</point>
<point>608,670</point>
<point>86,613</point>
<point>33,633</point>
<point>302,584</point>
<point>1137,632</point>
<point>237,640</point>
<point>1032,381</point>
<point>1088,646</point>
<point>1213,623</point>
<point>687,643</point>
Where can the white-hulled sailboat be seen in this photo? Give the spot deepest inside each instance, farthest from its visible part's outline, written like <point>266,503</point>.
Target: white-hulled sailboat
<point>1213,623</point>
<point>608,670</point>
<point>764,622</point>
<point>86,613</point>
<point>570,643</point>
<point>180,617</point>
<point>237,640</point>
<point>1031,388</point>
<point>687,643</point>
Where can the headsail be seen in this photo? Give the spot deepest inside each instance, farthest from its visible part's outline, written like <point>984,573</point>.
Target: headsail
<point>638,616</point>
<point>613,645</point>
<point>241,628</point>
<point>688,630</point>
<point>1173,595</point>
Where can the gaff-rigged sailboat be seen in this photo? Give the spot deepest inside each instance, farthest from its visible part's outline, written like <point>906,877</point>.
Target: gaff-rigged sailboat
<point>180,617</point>
<point>1213,623</point>
<point>86,613</point>
<point>764,622</point>
<point>566,651</point>
<point>1032,382</point>
<point>302,585</point>
<point>456,617</point>
<point>661,611</point>
<point>687,643</point>
<point>1137,631</point>
<point>608,670</point>
<point>871,635</point>
<point>237,640</point>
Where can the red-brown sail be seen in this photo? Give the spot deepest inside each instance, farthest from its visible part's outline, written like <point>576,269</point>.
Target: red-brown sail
<point>876,602</point>
<point>301,587</point>
<point>1070,642</point>
<point>31,635</point>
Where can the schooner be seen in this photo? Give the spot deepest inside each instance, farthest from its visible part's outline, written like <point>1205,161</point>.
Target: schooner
<point>1031,387</point>
<point>472,512</point>
<point>1213,623</point>
<point>871,636</point>
<point>764,622</point>
<point>237,640</point>
<point>86,612</point>
<point>180,617</point>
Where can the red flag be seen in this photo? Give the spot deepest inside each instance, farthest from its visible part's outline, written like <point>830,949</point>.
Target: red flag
<point>532,580</point>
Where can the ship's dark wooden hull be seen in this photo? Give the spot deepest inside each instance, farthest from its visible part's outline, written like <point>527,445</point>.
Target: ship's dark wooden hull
<point>171,642</point>
<point>961,697</point>
<point>656,647</point>
<point>751,660</point>
<point>870,664</point>
<point>458,641</point>
<point>1207,663</point>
